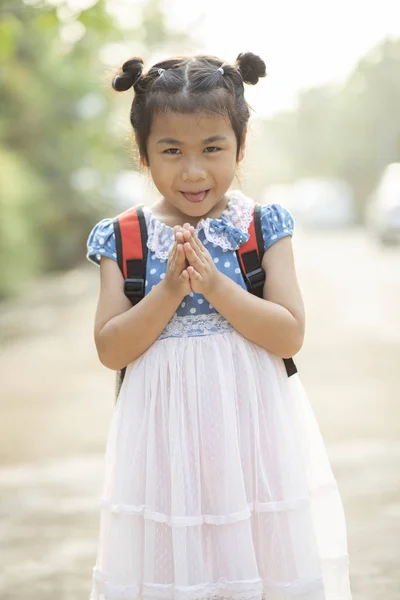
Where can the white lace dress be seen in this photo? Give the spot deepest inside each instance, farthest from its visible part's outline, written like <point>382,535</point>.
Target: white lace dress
<point>217,482</point>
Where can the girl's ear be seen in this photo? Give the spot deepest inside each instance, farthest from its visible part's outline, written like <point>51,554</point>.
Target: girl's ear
<point>242,148</point>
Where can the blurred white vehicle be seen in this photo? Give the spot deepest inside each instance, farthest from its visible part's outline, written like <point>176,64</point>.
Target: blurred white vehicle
<point>323,203</point>
<point>383,210</point>
<point>315,202</point>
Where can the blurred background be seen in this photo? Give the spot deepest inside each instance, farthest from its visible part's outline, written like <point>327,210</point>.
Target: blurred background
<point>324,142</point>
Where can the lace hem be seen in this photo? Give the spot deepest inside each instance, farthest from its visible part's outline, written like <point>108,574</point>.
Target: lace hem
<point>228,231</point>
<point>196,325</point>
<point>187,521</point>
<point>252,589</point>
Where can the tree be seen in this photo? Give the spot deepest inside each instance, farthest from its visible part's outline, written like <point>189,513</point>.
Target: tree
<point>350,131</point>
<point>60,150</point>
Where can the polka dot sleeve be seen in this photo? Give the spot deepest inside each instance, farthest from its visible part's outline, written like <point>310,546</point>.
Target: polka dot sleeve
<point>276,222</point>
<point>101,242</point>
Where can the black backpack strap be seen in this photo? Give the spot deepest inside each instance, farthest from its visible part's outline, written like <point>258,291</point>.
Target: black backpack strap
<point>258,231</point>
<point>250,256</point>
<point>131,246</point>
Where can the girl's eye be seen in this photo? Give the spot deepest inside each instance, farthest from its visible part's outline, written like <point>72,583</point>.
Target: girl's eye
<point>172,151</point>
<point>212,149</point>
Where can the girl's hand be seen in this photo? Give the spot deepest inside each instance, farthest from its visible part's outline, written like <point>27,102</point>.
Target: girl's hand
<point>177,279</point>
<point>204,275</point>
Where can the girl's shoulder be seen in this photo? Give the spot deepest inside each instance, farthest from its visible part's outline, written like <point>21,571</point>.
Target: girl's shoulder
<point>101,241</point>
<point>276,222</point>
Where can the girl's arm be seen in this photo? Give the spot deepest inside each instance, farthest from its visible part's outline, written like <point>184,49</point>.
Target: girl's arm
<point>123,332</point>
<point>277,322</point>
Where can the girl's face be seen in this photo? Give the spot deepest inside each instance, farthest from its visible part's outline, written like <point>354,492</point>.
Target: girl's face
<point>192,160</point>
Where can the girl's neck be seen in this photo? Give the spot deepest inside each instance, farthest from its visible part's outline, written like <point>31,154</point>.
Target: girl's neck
<point>170,215</point>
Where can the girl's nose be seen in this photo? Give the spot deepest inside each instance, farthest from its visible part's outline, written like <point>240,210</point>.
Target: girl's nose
<point>193,171</point>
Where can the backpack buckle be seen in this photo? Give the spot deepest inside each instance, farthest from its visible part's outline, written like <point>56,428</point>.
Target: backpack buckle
<point>256,279</point>
<point>134,289</point>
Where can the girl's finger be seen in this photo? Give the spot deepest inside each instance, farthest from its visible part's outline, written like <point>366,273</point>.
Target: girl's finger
<point>172,257</point>
<point>203,252</point>
<point>197,243</point>
<point>189,228</point>
<point>173,250</point>
<point>180,254</point>
<point>186,234</point>
<point>193,274</point>
<point>200,245</point>
<point>198,248</point>
<point>179,237</point>
<point>192,255</point>
<point>184,275</point>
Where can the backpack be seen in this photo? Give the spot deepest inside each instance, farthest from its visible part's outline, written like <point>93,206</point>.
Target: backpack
<point>131,247</point>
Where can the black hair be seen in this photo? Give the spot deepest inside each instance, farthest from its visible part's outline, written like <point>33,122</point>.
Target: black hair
<point>189,85</point>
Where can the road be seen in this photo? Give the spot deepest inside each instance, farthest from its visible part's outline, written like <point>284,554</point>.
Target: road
<point>56,402</point>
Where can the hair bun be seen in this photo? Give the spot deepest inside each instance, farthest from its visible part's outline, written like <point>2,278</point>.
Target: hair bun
<point>251,67</point>
<point>131,73</point>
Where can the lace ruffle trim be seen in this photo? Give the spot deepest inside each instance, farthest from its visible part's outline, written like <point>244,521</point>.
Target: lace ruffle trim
<point>229,231</point>
<point>196,325</point>
<point>252,589</point>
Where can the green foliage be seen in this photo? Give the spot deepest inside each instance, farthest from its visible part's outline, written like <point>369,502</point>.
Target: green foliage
<point>20,255</point>
<point>60,149</point>
<point>45,138</point>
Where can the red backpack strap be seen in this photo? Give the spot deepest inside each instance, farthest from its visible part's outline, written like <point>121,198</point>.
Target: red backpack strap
<point>131,243</point>
<point>131,246</point>
<point>250,257</point>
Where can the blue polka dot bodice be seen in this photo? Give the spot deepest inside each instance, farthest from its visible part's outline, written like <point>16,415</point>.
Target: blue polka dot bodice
<point>221,236</point>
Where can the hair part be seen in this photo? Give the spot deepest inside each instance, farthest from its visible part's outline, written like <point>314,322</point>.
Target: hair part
<point>198,84</point>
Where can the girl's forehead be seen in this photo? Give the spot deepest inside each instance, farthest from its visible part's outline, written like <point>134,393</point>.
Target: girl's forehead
<point>190,126</point>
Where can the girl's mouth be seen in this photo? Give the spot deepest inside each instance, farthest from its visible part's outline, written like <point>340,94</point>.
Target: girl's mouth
<point>195,196</point>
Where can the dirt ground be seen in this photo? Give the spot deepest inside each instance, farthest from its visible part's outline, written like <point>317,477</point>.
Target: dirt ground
<point>56,401</point>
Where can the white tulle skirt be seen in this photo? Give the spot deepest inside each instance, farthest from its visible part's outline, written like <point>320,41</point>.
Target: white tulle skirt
<point>217,482</point>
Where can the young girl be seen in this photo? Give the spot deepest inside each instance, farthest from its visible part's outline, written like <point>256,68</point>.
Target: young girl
<point>217,481</point>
